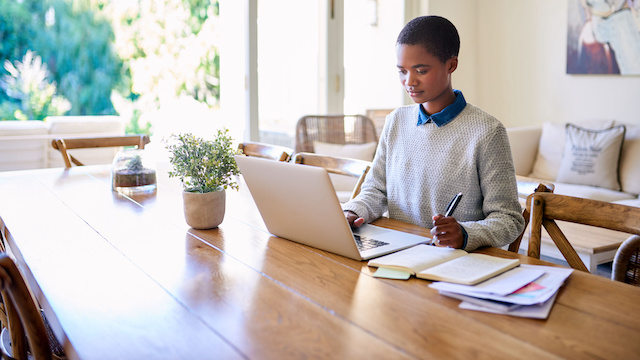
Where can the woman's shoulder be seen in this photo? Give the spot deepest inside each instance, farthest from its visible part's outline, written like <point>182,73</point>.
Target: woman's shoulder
<point>480,117</point>
<point>403,113</point>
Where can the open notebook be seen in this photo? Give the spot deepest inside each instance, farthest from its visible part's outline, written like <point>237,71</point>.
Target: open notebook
<point>298,203</point>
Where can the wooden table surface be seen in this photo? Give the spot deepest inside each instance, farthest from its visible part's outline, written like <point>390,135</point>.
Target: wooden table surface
<point>125,278</point>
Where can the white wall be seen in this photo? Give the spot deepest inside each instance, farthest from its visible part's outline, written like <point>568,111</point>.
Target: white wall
<point>520,75</point>
<point>512,63</point>
<point>464,15</point>
<point>371,76</point>
<point>370,57</point>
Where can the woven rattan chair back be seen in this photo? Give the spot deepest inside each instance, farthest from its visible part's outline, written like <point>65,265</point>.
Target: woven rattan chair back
<point>335,129</point>
<point>626,263</point>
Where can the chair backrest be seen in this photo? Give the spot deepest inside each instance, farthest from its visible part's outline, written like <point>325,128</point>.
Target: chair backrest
<point>337,165</point>
<point>63,145</point>
<point>379,117</point>
<point>335,129</point>
<point>546,207</point>
<point>626,263</point>
<point>267,151</point>
<point>24,318</point>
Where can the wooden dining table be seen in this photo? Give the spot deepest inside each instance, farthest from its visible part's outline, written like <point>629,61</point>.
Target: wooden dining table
<point>124,277</point>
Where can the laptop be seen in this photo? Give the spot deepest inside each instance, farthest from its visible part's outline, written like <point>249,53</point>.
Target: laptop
<point>298,203</point>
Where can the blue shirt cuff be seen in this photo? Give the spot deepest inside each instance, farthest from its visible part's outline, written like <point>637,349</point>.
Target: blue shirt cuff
<point>465,236</point>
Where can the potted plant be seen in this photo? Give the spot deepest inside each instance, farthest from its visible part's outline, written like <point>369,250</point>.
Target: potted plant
<point>206,169</point>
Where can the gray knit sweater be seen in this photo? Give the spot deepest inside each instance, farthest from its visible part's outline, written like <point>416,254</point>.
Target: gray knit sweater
<point>418,169</point>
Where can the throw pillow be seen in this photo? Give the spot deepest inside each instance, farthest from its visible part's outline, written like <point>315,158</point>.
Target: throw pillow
<point>551,147</point>
<point>591,157</point>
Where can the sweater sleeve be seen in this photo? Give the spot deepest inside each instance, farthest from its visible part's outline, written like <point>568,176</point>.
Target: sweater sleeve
<point>503,220</point>
<point>371,202</point>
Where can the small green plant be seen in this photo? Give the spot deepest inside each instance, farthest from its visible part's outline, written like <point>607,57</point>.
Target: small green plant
<point>203,165</point>
<point>135,165</point>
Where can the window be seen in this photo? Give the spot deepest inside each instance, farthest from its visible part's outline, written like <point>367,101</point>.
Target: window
<point>311,59</point>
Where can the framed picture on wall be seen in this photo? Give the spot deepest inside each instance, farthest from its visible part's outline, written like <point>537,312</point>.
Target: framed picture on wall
<point>603,37</point>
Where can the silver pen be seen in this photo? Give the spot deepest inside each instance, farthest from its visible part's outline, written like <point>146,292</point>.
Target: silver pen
<point>453,204</point>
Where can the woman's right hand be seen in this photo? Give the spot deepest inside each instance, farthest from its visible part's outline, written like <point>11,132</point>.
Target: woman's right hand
<point>353,219</point>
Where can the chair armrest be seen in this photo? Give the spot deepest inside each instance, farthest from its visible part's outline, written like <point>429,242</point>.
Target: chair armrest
<point>524,147</point>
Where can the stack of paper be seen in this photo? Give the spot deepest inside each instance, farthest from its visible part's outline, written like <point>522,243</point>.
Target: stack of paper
<point>525,291</point>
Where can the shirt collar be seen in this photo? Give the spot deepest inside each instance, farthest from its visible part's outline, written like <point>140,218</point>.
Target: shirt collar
<point>447,114</point>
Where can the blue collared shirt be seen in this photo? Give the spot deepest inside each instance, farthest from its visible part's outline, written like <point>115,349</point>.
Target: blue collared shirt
<point>447,114</point>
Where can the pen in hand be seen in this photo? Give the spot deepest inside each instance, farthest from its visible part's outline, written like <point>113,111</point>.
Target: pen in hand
<point>453,204</point>
<point>449,211</point>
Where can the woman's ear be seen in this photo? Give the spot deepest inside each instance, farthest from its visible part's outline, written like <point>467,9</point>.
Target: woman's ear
<point>452,64</point>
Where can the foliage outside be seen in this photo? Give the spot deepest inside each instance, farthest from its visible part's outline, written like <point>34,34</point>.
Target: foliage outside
<point>75,44</point>
<point>203,165</point>
<point>170,50</point>
<point>113,56</point>
<point>34,97</point>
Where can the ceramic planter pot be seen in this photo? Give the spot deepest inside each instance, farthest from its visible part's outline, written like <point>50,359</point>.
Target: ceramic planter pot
<point>204,211</point>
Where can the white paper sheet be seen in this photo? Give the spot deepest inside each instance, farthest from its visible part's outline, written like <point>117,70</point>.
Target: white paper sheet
<point>538,291</point>
<point>503,284</point>
<point>538,311</point>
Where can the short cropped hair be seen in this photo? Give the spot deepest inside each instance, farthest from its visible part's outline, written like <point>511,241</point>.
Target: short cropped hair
<point>435,33</point>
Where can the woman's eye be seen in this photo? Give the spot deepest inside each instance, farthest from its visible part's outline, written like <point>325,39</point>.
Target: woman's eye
<point>421,72</point>
<point>402,72</point>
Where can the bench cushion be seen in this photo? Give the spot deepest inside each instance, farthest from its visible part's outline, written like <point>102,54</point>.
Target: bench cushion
<point>527,185</point>
<point>630,161</point>
<point>23,154</point>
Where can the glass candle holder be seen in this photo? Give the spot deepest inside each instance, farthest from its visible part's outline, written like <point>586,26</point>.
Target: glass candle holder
<point>132,172</point>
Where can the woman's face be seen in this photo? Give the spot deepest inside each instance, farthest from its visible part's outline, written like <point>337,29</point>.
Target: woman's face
<point>426,79</point>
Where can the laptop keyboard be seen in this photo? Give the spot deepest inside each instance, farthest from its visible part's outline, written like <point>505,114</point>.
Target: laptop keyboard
<point>365,243</point>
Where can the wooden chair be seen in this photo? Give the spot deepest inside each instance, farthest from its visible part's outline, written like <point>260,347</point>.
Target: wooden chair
<point>546,207</point>
<point>337,165</point>
<point>63,145</point>
<point>626,263</point>
<point>336,129</point>
<point>25,327</point>
<point>267,151</point>
<point>379,117</point>
<point>3,309</point>
<point>542,187</point>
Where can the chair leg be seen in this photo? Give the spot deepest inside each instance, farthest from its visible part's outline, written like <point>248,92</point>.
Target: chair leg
<point>59,144</point>
<point>564,246</point>
<point>75,161</point>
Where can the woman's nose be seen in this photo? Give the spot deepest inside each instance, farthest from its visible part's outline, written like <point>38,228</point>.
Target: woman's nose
<point>411,79</point>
